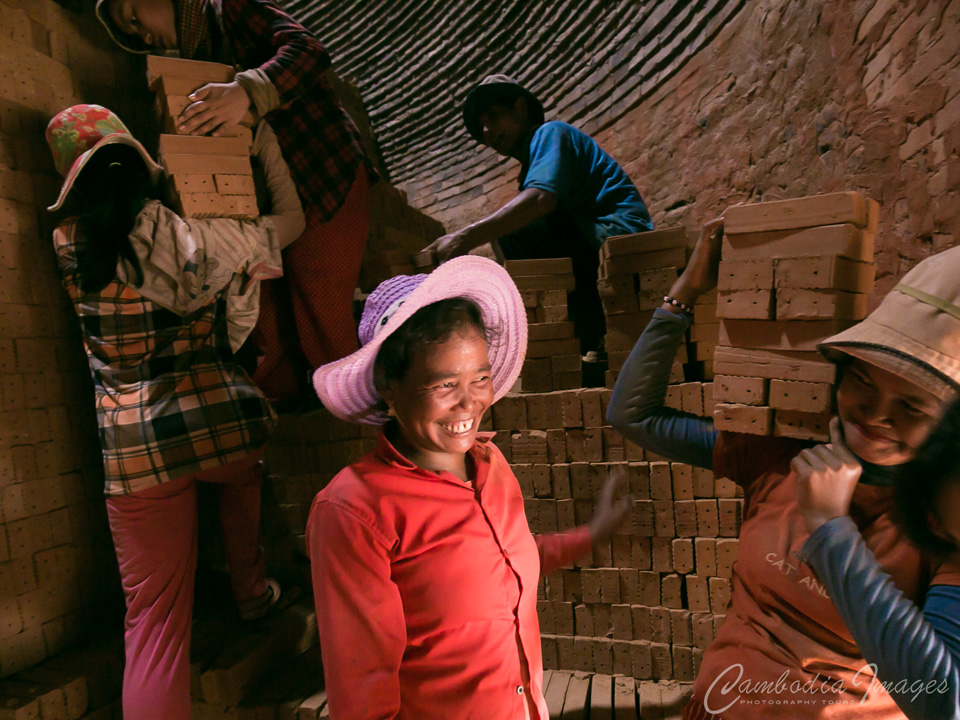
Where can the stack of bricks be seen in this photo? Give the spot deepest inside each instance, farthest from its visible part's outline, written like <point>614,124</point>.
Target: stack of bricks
<point>208,176</point>
<point>398,236</point>
<point>649,600</point>
<point>553,350</point>
<point>304,454</point>
<point>636,271</point>
<point>82,683</point>
<point>704,333</point>
<point>793,272</point>
<point>58,569</point>
<point>389,263</point>
<point>605,697</point>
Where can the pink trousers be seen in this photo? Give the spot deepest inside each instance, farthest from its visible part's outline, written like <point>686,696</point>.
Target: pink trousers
<point>155,536</point>
<point>306,317</point>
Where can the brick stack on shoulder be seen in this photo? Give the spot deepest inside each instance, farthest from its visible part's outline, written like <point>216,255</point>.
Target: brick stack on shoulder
<point>636,271</point>
<point>553,350</point>
<point>792,273</point>
<point>207,176</point>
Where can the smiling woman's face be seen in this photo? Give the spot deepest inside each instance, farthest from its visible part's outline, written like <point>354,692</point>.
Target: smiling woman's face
<point>885,417</point>
<point>442,397</point>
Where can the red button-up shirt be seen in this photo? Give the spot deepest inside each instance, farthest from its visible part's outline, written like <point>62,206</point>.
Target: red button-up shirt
<point>426,590</point>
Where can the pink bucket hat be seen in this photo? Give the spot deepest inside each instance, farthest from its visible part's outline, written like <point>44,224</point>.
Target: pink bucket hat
<point>346,386</point>
<point>915,331</point>
<point>76,133</point>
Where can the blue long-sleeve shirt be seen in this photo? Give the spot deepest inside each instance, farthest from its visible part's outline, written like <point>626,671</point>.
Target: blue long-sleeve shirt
<point>890,630</point>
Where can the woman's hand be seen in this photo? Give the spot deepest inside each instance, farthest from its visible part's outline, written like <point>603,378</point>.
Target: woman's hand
<point>827,475</point>
<point>703,269</point>
<point>610,511</point>
<point>215,105</point>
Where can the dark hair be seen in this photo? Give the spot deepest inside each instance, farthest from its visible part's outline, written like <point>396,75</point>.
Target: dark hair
<point>105,199</point>
<point>920,482</point>
<point>434,323</point>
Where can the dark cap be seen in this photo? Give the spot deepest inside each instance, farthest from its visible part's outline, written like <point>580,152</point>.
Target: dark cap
<point>495,89</point>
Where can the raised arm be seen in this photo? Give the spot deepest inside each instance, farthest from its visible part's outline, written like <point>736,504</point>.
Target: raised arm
<point>525,209</point>
<point>186,262</point>
<point>916,653</point>
<point>612,508</point>
<point>286,210</point>
<point>288,54</point>
<point>636,406</point>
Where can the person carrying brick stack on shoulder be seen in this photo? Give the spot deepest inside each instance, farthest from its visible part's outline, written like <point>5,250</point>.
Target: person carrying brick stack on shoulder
<point>573,196</point>
<point>834,613</point>
<point>282,82</point>
<point>163,303</point>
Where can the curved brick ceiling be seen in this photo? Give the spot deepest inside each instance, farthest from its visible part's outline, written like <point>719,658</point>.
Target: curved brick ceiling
<point>589,61</point>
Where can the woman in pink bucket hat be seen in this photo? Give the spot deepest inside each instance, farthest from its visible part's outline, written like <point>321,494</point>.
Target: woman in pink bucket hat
<point>163,302</point>
<point>834,613</point>
<point>424,569</point>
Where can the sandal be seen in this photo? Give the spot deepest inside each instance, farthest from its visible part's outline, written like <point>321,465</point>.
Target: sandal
<point>258,607</point>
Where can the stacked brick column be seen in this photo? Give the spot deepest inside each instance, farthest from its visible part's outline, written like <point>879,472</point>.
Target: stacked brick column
<point>553,351</point>
<point>636,271</point>
<point>793,273</point>
<point>207,176</point>
<point>647,602</point>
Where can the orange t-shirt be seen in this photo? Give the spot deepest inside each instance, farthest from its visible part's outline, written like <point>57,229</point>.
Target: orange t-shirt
<point>784,649</point>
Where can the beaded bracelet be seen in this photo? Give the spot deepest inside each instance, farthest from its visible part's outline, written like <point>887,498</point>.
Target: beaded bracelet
<point>677,304</point>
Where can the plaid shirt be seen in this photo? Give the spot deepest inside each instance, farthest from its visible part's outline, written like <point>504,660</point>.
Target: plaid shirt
<point>170,400</point>
<point>318,138</point>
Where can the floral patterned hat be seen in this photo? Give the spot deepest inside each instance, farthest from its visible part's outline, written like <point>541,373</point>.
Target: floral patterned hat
<point>76,133</point>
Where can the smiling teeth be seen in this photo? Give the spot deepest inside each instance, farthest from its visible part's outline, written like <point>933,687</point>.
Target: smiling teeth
<point>460,427</point>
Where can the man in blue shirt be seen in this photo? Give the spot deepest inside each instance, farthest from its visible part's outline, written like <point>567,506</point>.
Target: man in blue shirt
<point>572,196</point>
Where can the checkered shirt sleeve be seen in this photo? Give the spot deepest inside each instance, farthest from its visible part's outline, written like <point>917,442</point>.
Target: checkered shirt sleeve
<point>319,140</point>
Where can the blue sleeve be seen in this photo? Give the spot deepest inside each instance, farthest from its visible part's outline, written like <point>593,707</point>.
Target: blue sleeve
<point>913,653</point>
<point>553,161</point>
<point>636,406</point>
<point>942,611</point>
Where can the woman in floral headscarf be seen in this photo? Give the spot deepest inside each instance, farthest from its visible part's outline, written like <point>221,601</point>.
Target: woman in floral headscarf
<point>163,302</point>
<point>281,79</point>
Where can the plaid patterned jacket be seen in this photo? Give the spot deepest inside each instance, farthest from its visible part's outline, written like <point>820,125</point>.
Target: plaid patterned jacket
<point>170,400</point>
<point>319,140</point>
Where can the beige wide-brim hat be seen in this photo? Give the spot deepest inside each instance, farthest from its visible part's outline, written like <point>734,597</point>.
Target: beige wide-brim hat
<point>915,332</point>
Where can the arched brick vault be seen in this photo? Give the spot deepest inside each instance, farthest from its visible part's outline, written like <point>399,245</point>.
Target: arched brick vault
<point>787,99</point>
<point>588,61</point>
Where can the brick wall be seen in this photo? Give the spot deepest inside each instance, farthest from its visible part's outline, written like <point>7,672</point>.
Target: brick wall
<point>589,61</point>
<point>57,569</point>
<point>790,99</point>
